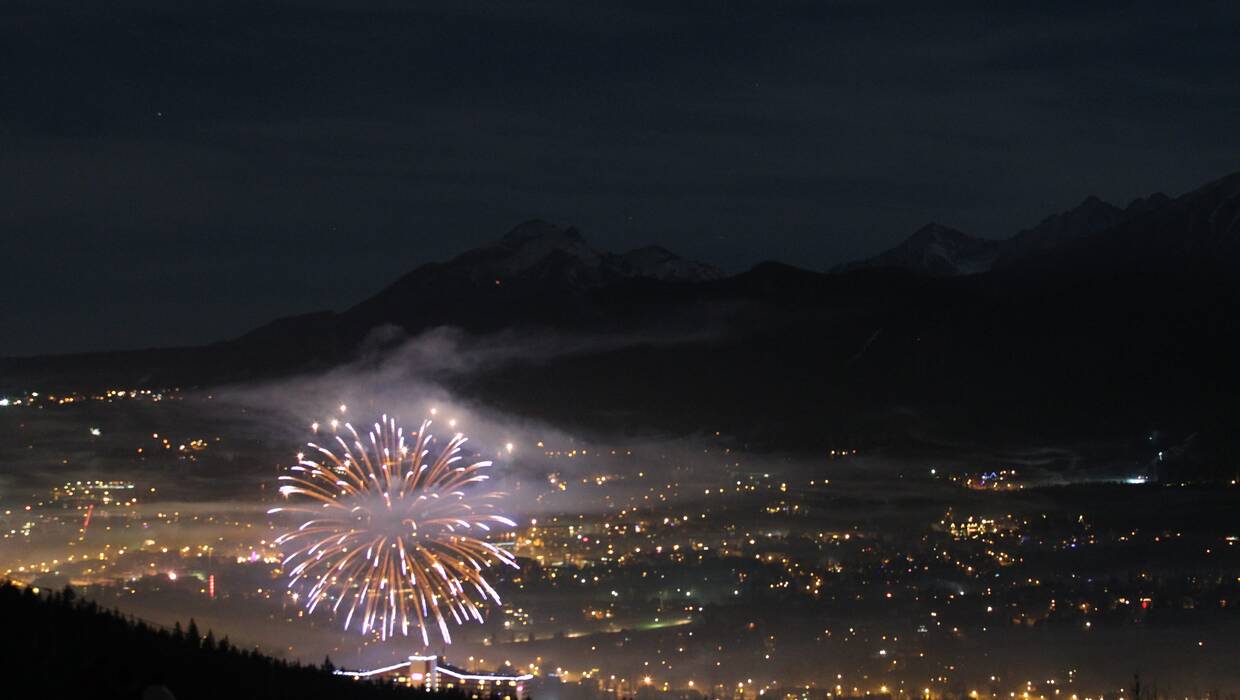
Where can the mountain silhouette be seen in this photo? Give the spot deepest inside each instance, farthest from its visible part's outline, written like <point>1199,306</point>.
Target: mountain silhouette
<point>1098,322</point>
<point>935,249</point>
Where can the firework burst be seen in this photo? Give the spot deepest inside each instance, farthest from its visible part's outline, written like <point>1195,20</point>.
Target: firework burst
<point>390,531</point>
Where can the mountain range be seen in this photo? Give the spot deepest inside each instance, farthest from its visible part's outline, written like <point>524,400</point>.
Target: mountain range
<point>940,250</point>
<point>1098,322</point>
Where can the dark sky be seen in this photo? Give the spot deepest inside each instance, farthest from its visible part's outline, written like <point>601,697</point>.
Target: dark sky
<point>175,172</point>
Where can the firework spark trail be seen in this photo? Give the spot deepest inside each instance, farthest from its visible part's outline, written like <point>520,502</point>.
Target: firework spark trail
<point>388,533</point>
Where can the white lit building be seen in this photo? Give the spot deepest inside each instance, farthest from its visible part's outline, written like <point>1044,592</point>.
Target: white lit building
<point>433,673</point>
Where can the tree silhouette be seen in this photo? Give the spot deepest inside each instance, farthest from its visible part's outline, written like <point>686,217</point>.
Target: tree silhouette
<point>76,649</point>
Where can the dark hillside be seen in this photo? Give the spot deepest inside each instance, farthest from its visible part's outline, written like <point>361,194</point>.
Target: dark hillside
<point>65,647</point>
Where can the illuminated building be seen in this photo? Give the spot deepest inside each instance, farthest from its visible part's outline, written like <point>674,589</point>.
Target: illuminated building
<point>432,673</point>
<point>76,493</point>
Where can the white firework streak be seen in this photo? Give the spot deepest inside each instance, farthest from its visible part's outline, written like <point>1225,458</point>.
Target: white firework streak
<point>387,534</point>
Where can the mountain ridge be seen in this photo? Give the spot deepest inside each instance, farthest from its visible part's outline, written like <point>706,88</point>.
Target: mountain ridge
<point>1103,334</point>
<point>936,249</point>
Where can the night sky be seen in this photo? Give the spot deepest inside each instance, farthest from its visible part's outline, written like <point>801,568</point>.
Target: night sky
<point>176,174</point>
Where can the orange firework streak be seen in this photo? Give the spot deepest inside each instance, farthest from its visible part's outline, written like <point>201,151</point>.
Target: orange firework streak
<point>388,533</point>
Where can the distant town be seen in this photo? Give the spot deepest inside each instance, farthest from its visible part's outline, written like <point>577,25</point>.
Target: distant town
<point>664,571</point>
